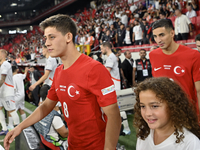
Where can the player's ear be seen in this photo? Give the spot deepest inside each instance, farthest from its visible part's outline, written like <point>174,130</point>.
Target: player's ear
<point>172,33</point>
<point>68,37</point>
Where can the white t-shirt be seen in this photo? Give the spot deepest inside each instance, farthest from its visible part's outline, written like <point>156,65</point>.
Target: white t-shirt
<point>127,38</point>
<point>133,8</point>
<point>19,86</point>
<point>7,89</point>
<point>82,40</point>
<point>118,15</point>
<point>51,64</point>
<point>112,63</point>
<point>138,32</point>
<point>182,24</point>
<point>191,14</point>
<point>124,20</point>
<point>190,142</point>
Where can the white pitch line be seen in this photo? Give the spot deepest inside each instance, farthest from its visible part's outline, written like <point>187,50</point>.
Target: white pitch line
<point>27,110</point>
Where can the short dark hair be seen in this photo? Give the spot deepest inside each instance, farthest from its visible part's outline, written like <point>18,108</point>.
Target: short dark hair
<point>125,53</point>
<point>142,50</point>
<point>14,68</point>
<point>197,38</point>
<point>62,23</point>
<point>167,23</point>
<point>107,44</point>
<point>162,13</point>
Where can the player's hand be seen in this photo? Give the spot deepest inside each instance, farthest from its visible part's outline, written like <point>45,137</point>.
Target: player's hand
<point>11,136</point>
<point>32,87</point>
<point>191,33</point>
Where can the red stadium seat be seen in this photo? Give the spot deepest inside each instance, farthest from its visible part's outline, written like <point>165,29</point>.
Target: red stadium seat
<point>173,18</point>
<point>193,20</point>
<point>181,41</point>
<point>198,23</point>
<point>198,13</point>
<point>184,10</point>
<point>190,41</point>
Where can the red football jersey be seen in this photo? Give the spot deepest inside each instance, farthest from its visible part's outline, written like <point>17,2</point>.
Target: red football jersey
<point>182,66</point>
<point>83,89</point>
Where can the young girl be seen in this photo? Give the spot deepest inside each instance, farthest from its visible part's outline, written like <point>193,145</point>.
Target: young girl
<point>164,117</point>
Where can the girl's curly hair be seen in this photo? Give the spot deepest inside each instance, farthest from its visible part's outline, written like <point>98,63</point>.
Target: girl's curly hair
<point>182,112</point>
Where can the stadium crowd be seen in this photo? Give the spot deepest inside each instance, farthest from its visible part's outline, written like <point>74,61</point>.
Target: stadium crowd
<point>123,23</point>
<point>111,24</point>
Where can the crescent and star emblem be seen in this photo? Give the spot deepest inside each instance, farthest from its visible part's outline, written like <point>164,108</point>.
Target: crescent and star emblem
<point>180,72</point>
<point>68,90</point>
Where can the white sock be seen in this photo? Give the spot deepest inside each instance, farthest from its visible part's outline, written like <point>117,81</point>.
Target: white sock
<point>15,117</point>
<point>3,121</point>
<point>23,116</point>
<point>10,121</point>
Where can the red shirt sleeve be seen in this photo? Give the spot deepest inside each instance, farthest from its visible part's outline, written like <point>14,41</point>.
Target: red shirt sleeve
<point>101,85</point>
<point>52,92</point>
<point>196,67</point>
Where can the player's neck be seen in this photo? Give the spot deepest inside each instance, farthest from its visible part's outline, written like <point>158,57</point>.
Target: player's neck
<point>171,49</point>
<point>108,53</point>
<point>70,56</point>
<point>14,73</point>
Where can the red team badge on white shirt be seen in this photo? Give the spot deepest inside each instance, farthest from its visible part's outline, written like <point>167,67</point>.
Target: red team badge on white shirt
<point>73,91</point>
<point>179,70</point>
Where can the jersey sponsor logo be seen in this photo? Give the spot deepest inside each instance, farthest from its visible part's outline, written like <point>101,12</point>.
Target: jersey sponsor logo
<point>108,90</point>
<point>167,67</point>
<point>156,69</point>
<point>73,91</point>
<point>179,70</point>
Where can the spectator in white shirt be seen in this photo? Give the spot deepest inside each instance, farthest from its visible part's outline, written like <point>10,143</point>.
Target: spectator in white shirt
<point>183,26</point>
<point>137,33</point>
<point>133,7</point>
<point>191,13</point>
<point>117,13</point>
<point>128,37</point>
<point>124,19</point>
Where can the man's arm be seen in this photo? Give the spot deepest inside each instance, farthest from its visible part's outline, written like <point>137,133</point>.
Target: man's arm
<point>3,78</point>
<point>42,111</point>
<point>133,37</point>
<point>134,70</point>
<point>42,79</point>
<point>112,127</point>
<point>109,69</point>
<point>63,131</point>
<point>122,73</point>
<point>197,86</point>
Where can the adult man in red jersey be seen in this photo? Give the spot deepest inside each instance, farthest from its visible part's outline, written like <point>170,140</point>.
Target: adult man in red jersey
<point>84,88</point>
<point>178,62</point>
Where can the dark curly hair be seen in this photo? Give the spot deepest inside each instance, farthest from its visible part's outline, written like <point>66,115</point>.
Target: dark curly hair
<point>182,112</point>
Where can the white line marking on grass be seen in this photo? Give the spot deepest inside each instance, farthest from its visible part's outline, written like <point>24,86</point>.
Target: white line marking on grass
<point>27,110</point>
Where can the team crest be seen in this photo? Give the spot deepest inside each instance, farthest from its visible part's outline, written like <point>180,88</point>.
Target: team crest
<point>73,91</point>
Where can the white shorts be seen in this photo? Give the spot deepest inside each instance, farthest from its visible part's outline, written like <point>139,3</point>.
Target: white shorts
<point>8,103</point>
<point>19,104</point>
